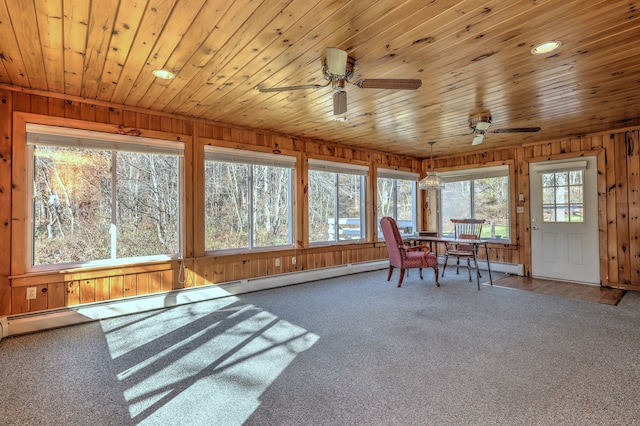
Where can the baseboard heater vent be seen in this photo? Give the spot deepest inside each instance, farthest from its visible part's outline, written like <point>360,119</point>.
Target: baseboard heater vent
<point>38,321</point>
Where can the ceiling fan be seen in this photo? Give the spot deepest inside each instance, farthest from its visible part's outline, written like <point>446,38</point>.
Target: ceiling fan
<point>480,125</point>
<point>337,68</point>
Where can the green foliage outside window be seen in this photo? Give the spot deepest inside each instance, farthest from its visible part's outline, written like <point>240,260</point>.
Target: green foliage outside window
<point>486,198</point>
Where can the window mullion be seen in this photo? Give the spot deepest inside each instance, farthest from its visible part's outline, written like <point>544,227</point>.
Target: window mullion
<point>394,195</point>
<point>251,208</point>
<point>414,203</point>
<point>289,203</point>
<point>336,212</point>
<point>472,207</point>
<point>362,206</point>
<point>113,229</point>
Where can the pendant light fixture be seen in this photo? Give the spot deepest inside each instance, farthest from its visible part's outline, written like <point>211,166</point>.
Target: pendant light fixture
<point>432,180</point>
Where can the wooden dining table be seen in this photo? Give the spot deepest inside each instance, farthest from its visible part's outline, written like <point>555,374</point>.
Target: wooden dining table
<point>475,243</point>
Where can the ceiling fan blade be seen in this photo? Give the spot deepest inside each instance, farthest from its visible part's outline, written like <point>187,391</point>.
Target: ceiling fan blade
<point>336,61</point>
<point>517,130</point>
<point>286,89</point>
<point>477,139</point>
<point>339,102</point>
<point>389,83</point>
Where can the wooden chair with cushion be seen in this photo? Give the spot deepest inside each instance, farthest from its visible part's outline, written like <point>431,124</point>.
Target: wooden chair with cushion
<point>465,229</point>
<point>403,256</point>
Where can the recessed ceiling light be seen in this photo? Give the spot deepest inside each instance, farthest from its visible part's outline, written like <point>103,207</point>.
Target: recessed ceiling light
<point>546,47</point>
<point>163,74</point>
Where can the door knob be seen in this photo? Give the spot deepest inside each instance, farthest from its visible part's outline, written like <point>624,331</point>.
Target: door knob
<point>535,228</point>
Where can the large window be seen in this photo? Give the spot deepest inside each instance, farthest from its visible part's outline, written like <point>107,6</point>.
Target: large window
<point>336,201</point>
<point>477,194</point>
<point>100,198</point>
<point>396,192</point>
<point>248,202</point>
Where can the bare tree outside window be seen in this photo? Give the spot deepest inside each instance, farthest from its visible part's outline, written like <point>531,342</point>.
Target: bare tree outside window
<point>147,195</point>
<point>271,206</point>
<point>322,187</point>
<point>247,205</point>
<point>226,205</point>
<point>96,204</point>
<point>335,206</point>
<point>396,198</point>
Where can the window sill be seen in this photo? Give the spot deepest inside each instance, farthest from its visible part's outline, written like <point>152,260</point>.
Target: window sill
<point>78,273</point>
<point>230,252</point>
<point>335,243</point>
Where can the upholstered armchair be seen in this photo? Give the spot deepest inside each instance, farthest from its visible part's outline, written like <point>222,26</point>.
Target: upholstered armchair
<point>403,256</point>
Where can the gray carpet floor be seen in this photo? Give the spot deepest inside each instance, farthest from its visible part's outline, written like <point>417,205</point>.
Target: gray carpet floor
<point>352,350</point>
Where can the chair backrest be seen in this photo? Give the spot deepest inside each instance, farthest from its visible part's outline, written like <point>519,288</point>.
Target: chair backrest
<point>467,229</point>
<point>393,239</point>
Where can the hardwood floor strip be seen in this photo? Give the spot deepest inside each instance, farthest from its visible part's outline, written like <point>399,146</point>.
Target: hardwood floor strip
<point>585,292</point>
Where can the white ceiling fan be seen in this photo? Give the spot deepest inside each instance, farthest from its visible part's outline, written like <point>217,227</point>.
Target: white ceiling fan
<point>480,125</point>
<point>337,68</point>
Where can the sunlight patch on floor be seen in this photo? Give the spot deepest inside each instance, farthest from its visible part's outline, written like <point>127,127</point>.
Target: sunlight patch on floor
<point>216,360</point>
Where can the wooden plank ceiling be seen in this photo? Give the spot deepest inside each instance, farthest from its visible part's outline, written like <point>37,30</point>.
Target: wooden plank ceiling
<point>472,56</point>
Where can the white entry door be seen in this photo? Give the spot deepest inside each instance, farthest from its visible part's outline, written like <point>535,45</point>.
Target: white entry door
<point>564,220</point>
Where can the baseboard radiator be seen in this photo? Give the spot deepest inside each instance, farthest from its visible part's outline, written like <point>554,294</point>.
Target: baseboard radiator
<point>38,321</point>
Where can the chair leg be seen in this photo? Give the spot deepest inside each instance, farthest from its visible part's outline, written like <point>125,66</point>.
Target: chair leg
<point>401,277</point>
<point>457,265</point>
<point>420,273</point>
<point>390,272</point>
<point>444,267</point>
<point>469,267</point>
<point>435,269</point>
<point>478,270</point>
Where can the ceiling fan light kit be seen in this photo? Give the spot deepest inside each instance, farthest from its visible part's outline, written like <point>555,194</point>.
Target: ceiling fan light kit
<point>337,68</point>
<point>336,62</point>
<point>480,121</point>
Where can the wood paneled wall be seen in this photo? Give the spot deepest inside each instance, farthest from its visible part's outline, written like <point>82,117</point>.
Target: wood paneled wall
<point>618,179</point>
<point>72,287</point>
<point>618,156</point>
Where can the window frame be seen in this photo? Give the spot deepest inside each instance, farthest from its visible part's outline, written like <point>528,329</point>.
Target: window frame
<point>97,139</point>
<point>250,158</point>
<point>561,167</point>
<point>481,171</point>
<point>398,175</point>
<point>339,168</point>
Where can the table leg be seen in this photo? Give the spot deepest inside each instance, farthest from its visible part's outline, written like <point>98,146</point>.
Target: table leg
<point>486,250</point>
<point>475,260</point>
